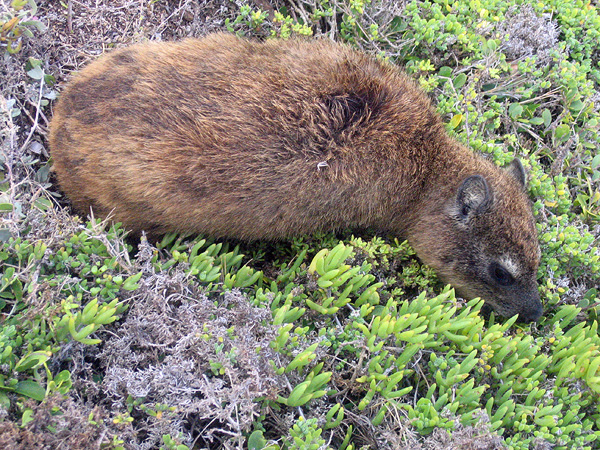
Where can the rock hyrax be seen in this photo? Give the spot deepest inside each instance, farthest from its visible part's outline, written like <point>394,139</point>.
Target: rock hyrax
<point>263,140</point>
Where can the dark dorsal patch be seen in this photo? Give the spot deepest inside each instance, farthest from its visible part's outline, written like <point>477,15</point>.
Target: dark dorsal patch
<point>515,168</point>
<point>346,110</point>
<point>124,57</point>
<point>104,88</point>
<point>474,197</point>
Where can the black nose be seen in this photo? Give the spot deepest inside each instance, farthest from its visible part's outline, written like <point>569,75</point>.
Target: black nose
<point>532,313</point>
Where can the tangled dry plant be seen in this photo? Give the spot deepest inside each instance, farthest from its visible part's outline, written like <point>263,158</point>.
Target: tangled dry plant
<point>527,34</point>
<point>172,338</point>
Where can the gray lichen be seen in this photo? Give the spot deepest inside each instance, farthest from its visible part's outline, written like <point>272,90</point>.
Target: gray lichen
<point>527,34</point>
<point>167,349</point>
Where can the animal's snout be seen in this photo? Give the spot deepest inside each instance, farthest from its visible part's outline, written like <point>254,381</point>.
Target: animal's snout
<point>533,310</point>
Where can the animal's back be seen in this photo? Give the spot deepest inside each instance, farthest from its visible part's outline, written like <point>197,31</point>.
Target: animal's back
<point>238,138</point>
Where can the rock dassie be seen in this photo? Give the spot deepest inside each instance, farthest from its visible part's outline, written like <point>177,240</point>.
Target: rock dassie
<point>234,138</point>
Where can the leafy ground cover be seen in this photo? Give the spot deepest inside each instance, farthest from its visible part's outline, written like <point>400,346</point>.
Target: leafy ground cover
<point>334,341</point>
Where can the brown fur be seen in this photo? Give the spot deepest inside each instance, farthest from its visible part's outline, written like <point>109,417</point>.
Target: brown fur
<point>251,140</point>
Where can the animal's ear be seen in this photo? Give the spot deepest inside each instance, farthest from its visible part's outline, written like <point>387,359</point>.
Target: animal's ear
<point>474,197</point>
<point>515,168</point>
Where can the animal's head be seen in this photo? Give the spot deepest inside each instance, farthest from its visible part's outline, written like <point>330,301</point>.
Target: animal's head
<point>482,240</point>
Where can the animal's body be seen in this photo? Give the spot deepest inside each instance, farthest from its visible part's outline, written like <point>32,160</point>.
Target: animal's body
<point>249,140</point>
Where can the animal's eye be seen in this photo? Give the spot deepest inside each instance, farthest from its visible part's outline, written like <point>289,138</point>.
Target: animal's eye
<point>500,275</point>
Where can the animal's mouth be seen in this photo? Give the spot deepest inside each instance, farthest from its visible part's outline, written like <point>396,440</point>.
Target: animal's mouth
<point>531,316</point>
<point>465,291</point>
<point>534,311</point>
